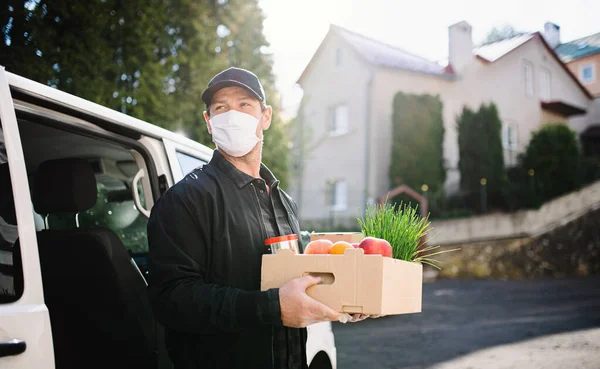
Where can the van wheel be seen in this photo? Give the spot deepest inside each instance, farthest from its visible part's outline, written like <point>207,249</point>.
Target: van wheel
<point>320,361</point>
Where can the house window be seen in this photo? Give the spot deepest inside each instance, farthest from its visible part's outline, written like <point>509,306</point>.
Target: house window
<point>528,78</point>
<point>588,73</point>
<point>338,120</point>
<point>338,199</point>
<point>545,89</point>
<point>339,55</point>
<point>509,137</point>
<point>509,143</point>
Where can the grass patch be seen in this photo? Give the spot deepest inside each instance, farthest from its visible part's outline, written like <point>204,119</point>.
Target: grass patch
<point>404,228</point>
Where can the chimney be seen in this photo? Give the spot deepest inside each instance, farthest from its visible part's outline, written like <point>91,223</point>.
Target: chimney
<point>460,46</point>
<point>552,34</point>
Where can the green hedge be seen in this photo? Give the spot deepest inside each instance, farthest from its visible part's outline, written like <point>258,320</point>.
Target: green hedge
<point>418,135</point>
<point>552,165</point>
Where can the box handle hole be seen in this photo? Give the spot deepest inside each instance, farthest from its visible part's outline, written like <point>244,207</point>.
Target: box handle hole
<point>328,278</point>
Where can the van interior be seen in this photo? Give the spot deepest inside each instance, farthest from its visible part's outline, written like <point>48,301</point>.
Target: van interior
<point>89,202</point>
<point>114,168</point>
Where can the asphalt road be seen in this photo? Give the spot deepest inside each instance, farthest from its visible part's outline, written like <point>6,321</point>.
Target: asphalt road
<point>549,323</point>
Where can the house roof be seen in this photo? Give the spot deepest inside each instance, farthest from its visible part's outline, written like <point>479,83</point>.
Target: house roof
<point>495,50</point>
<point>383,55</point>
<point>579,48</point>
<point>492,52</point>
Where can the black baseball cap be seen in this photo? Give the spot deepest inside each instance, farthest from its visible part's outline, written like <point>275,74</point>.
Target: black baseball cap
<point>234,77</point>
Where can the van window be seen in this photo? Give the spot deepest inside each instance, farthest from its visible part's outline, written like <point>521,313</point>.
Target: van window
<point>8,230</point>
<point>114,167</point>
<point>115,210</point>
<point>188,163</point>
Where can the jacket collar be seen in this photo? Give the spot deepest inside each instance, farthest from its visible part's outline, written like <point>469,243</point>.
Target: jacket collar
<point>238,177</point>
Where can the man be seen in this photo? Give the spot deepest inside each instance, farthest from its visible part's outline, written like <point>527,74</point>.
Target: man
<point>206,237</point>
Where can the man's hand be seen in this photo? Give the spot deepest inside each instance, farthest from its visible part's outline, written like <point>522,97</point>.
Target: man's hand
<point>361,317</point>
<point>298,310</point>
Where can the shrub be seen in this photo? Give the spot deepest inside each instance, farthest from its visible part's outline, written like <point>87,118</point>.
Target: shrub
<point>553,161</point>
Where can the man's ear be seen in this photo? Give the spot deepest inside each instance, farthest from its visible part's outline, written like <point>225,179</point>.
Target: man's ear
<point>266,119</point>
<point>207,119</point>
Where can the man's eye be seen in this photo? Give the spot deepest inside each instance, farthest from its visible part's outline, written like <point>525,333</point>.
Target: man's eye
<point>244,104</point>
<point>218,107</point>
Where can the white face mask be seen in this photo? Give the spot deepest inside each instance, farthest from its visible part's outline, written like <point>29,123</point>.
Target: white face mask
<point>235,132</point>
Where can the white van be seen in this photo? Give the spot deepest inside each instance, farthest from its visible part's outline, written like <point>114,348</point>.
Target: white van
<point>72,271</point>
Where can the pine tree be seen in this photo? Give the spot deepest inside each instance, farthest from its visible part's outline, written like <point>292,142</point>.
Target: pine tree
<point>481,154</point>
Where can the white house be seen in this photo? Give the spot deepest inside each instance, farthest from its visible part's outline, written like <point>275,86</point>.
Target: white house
<point>349,86</point>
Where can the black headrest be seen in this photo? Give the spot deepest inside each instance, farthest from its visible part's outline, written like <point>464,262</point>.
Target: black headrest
<point>64,186</point>
<point>7,202</point>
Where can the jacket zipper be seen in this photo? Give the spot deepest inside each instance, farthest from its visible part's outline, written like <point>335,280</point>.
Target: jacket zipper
<point>264,233</point>
<point>272,344</point>
<point>263,229</point>
<point>290,220</point>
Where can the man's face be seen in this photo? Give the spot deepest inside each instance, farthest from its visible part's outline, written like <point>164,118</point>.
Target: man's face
<point>238,98</point>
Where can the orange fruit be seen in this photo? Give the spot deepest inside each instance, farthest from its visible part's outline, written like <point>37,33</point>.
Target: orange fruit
<point>318,247</point>
<point>339,247</point>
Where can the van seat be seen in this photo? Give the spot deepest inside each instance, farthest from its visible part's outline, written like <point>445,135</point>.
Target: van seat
<point>97,300</point>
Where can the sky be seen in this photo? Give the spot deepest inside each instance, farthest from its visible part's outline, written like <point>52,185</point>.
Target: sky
<point>295,28</point>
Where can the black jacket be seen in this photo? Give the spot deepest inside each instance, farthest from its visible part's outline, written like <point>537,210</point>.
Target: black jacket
<point>206,243</point>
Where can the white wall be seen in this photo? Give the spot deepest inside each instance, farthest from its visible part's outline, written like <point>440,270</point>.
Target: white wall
<point>520,224</point>
<point>334,158</point>
<point>581,123</point>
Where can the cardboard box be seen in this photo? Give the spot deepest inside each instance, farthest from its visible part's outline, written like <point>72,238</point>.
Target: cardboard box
<point>353,282</point>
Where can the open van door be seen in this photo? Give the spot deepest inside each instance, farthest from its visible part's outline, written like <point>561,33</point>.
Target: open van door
<point>25,333</point>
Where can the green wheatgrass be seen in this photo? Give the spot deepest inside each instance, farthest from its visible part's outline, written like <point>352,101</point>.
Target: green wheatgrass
<point>403,227</point>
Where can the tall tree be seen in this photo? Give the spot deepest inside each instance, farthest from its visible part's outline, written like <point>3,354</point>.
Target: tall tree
<point>501,33</point>
<point>192,30</point>
<point>480,153</point>
<point>107,52</point>
<point>417,140</point>
<point>147,58</point>
<point>245,46</point>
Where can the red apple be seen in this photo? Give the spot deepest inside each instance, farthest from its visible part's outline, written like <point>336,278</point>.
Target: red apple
<point>355,244</point>
<point>372,245</point>
<point>318,247</point>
